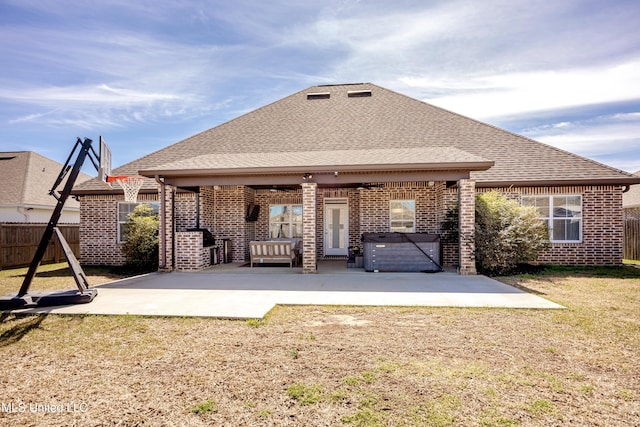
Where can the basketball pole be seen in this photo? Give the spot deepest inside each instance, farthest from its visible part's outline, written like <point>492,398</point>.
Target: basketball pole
<point>85,148</point>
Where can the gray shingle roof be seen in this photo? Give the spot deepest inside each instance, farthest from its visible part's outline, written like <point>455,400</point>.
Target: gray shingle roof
<point>27,177</point>
<point>435,157</point>
<point>386,120</point>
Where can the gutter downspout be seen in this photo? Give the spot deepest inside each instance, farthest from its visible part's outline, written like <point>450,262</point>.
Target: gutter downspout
<point>22,211</point>
<point>163,225</point>
<point>627,188</point>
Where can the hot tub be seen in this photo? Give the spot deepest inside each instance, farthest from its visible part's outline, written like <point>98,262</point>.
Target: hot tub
<point>409,252</point>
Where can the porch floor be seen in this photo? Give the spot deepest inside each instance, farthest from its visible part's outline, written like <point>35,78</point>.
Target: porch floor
<point>233,291</point>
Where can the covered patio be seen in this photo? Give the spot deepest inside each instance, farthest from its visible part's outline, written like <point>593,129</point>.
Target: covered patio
<point>336,196</point>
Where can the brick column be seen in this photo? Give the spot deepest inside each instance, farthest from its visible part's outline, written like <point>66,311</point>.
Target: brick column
<point>309,255</point>
<point>467,221</point>
<point>167,243</point>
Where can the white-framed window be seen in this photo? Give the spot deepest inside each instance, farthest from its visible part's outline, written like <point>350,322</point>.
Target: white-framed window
<point>285,221</point>
<point>402,216</point>
<point>124,210</point>
<point>563,214</point>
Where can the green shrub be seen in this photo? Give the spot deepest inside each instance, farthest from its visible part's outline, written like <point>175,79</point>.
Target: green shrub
<point>507,234</point>
<point>141,233</point>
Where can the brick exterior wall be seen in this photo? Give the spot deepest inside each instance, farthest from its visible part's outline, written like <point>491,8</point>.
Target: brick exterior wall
<point>223,211</point>
<point>99,228</point>
<point>602,225</point>
<point>185,211</point>
<point>374,206</point>
<point>450,250</point>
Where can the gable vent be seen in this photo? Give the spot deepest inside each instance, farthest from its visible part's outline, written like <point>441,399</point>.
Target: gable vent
<point>318,95</point>
<point>358,93</point>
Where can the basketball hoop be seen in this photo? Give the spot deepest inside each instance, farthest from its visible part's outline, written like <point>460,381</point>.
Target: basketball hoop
<point>130,184</point>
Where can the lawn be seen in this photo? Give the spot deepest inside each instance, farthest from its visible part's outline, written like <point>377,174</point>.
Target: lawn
<point>331,366</point>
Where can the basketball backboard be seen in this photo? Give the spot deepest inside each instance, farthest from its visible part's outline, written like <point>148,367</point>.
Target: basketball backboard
<point>105,162</point>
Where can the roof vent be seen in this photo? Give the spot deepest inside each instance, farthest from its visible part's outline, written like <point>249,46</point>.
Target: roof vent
<point>359,93</point>
<point>318,95</point>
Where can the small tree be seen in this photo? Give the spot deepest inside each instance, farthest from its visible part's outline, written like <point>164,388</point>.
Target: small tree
<point>141,234</point>
<point>507,234</point>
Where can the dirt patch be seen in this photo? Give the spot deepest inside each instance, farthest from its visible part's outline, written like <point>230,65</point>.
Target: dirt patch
<point>338,319</point>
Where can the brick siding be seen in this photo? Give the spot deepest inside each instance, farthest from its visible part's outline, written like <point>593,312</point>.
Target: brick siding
<point>602,225</point>
<point>99,228</point>
<point>223,210</point>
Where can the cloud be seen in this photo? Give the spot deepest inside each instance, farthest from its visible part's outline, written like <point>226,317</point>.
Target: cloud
<point>135,66</point>
<point>516,93</point>
<point>612,138</point>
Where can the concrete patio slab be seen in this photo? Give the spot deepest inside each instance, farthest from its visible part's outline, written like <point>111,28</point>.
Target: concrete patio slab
<point>253,295</point>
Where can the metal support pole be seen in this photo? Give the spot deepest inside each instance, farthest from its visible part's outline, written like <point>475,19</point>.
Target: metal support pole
<point>57,212</point>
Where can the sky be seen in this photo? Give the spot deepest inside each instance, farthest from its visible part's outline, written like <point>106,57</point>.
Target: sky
<point>148,73</point>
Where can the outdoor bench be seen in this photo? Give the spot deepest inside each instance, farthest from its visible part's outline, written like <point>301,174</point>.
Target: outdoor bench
<point>272,252</point>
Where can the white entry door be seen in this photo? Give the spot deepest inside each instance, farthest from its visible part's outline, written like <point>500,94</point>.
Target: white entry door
<point>336,228</point>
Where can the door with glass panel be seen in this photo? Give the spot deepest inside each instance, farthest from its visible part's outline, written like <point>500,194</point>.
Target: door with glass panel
<point>336,227</point>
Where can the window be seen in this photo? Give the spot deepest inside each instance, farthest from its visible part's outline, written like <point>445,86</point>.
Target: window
<point>402,214</point>
<point>285,221</point>
<point>126,208</point>
<point>562,213</point>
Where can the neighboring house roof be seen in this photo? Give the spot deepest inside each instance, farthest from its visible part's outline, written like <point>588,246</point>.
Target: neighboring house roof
<point>631,199</point>
<point>27,177</point>
<point>351,120</point>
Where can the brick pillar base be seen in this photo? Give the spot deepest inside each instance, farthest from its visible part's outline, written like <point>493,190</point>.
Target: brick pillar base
<point>309,256</point>
<point>467,221</point>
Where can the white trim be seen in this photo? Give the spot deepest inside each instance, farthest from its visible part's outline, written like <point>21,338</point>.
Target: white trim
<point>550,218</point>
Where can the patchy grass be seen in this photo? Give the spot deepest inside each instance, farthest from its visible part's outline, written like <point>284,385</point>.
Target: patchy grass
<point>208,406</point>
<point>306,366</point>
<point>305,395</point>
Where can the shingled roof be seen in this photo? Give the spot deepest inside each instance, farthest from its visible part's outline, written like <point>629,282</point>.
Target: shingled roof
<point>354,119</point>
<point>27,177</point>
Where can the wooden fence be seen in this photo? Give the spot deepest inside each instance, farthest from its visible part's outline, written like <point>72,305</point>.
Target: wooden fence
<point>632,238</point>
<point>18,243</point>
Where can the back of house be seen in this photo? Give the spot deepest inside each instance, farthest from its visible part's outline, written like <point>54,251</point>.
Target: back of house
<point>325,165</point>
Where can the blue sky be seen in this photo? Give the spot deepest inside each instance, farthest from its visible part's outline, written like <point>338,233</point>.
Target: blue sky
<point>148,73</point>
